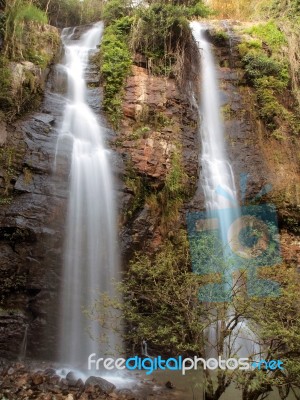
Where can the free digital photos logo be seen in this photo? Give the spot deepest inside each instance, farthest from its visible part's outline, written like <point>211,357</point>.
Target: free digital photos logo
<point>223,241</point>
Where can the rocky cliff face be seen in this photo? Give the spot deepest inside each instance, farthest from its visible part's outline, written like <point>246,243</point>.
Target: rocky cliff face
<point>28,207</point>
<point>30,238</point>
<point>158,124</point>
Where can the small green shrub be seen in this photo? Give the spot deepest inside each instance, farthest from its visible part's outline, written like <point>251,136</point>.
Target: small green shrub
<point>161,303</point>
<point>199,10</point>
<point>114,10</point>
<point>270,34</point>
<point>115,67</point>
<point>259,66</point>
<point>159,33</point>
<point>249,46</point>
<point>269,107</point>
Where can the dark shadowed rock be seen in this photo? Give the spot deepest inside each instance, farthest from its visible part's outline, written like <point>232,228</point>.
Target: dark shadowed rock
<point>103,384</point>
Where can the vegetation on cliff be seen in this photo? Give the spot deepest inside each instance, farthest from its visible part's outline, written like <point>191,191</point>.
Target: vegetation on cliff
<point>21,83</point>
<point>157,34</point>
<point>159,289</point>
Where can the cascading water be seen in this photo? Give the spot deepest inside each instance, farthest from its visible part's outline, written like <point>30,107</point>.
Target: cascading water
<point>91,254</point>
<point>220,194</point>
<point>218,182</point>
<point>23,348</point>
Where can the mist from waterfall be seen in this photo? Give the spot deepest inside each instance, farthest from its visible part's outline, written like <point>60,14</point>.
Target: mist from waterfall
<point>91,261</point>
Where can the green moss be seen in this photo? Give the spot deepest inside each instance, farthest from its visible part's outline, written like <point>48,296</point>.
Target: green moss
<point>269,107</point>
<point>219,37</point>
<point>249,46</point>
<point>270,34</point>
<point>39,58</point>
<point>5,200</point>
<point>140,132</point>
<point>6,99</point>
<point>227,111</point>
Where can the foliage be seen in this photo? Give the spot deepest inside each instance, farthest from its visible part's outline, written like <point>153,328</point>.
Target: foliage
<point>249,46</point>
<point>269,33</point>
<point>270,77</point>
<point>260,66</point>
<point>5,84</point>
<point>114,10</point>
<point>115,66</point>
<point>19,14</point>
<point>157,33</point>
<point>279,331</point>
<point>136,185</point>
<point>161,306</point>
<point>22,20</point>
<point>161,300</point>
<point>171,197</point>
<point>199,10</point>
<point>64,13</point>
<point>219,37</point>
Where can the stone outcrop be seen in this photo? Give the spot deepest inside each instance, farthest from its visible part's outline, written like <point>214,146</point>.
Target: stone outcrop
<point>27,79</point>
<point>155,117</point>
<point>158,122</point>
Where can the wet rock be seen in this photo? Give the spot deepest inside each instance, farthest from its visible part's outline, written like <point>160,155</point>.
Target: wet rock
<point>103,384</point>
<point>37,378</point>
<point>169,385</point>
<point>71,379</point>
<point>45,118</point>
<point>50,372</point>
<point>79,384</point>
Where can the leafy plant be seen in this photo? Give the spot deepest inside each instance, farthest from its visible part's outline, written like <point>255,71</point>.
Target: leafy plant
<point>269,33</point>
<point>260,66</point>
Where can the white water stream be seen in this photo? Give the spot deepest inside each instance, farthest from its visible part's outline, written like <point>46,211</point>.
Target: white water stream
<point>91,259</point>
<point>220,194</point>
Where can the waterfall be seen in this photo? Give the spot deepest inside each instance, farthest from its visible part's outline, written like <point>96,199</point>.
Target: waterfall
<point>23,348</point>
<point>217,176</point>
<point>221,200</point>
<point>91,260</point>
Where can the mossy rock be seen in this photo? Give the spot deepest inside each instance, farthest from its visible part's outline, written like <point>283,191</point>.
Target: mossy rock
<point>218,37</point>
